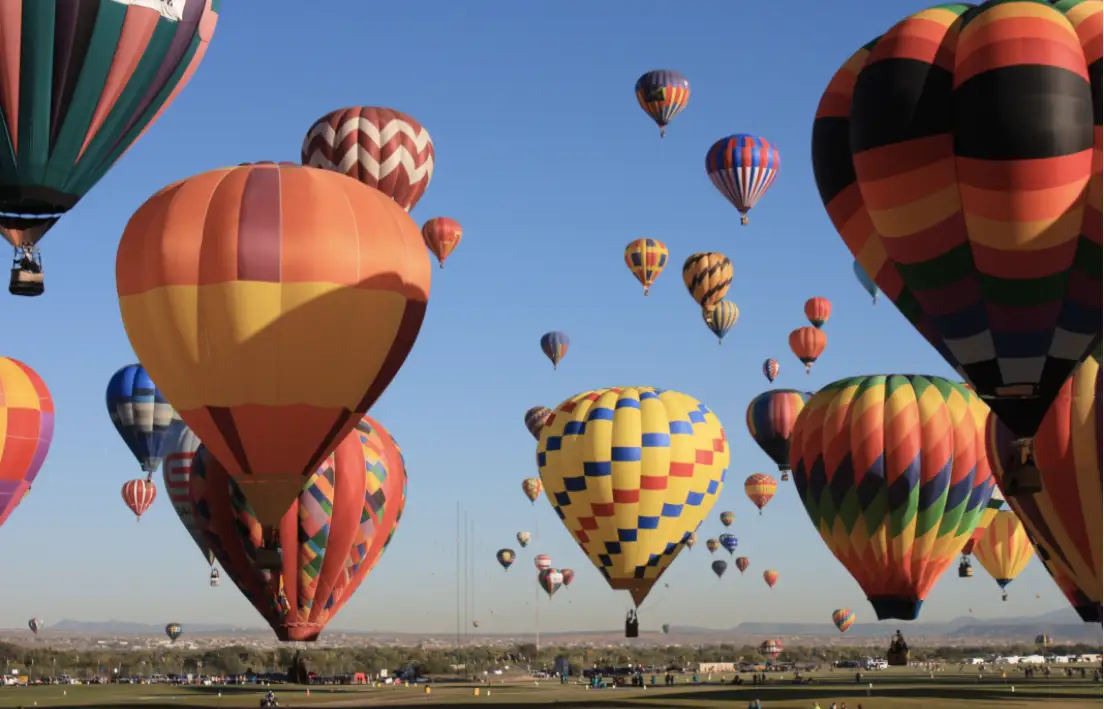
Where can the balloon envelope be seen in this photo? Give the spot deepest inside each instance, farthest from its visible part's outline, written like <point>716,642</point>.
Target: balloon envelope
<point>332,537</point>
<point>889,468</point>
<point>925,160</point>
<point>632,472</point>
<point>103,73</point>
<point>287,269</point>
<point>25,440</point>
<point>1064,519</point>
<point>770,421</point>
<point>142,416</point>
<point>177,472</point>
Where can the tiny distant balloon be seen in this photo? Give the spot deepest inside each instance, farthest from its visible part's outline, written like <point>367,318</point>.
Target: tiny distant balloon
<point>807,344</point>
<point>568,576</point>
<point>719,567</point>
<point>535,419</point>
<point>139,495</point>
<point>35,624</point>
<point>721,318</point>
<point>742,563</point>
<point>742,167</point>
<point>554,345</point>
<point>727,518</point>
<point>506,558</point>
<point>691,540</point>
<point>770,369</point>
<point>442,235</point>
<point>843,618</point>
<point>865,281</point>
<point>712,545</point>
<point>662,93</point>
<point>551,580</point>
<point>523,538</point>
<point>729,542</point>
<point>818,310</point>
<point>646,258</point>
<point>771,577</point>
<point>532,488</point>
<point>542,562</point>
<point>173,631</point>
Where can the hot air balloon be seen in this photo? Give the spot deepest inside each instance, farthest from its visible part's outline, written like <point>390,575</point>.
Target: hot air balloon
<point>523,538</point>
<point>727,518</point>
<point>86,80</point>
<point>268,261</point>
<point>173,631</point>
<point>858,446</point>
<point>506,558</point>
<point>442,235</point>
<point>35,624</point>
<point>920,152</point>
<point>771,577</point>
<point>843,618</point>
<point>866,281</point>
<point>662,93</point>
<point>380,147</point>
<point>818,310</point>
<point>551,580</point>
<point>25,439</point>
<point>807,344</point>
<point>719,567</point>
<point>691,540</point>
<point>996,501</point>
<point>568,576</point>
<point>771,648</point>
<point>742,167</point>
<point>532,488</point>
<point>142,416</point>
<point>535,418</point>
<point>334,533</point>
<point>1004,549</point>
<point>707,276</point>
<point>138,495</point>
<point>770,421</point>
<point>729,542</point>
<point>176,472</point>
<point>1043,641</point>
<point>554,346</point>
<point>646,258</point>
<point>742,563</point>
<point>542,562</point>
<point>666,628</point>
<point>712,545</point>
<point>663,452</point>
<point>1064,520</point>
<point>770,369</point>
<point>760,488</point>
<point>721,317</point>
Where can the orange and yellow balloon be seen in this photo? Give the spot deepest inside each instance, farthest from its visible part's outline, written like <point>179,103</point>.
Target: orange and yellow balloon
<point>818,310</point>
<point>760,488</point>
<point>771,577</point>
<point>272,304</point>
<point>707,277</point>
<point>1004,549</point>
<point>646,258</point>
<point>807,344</point>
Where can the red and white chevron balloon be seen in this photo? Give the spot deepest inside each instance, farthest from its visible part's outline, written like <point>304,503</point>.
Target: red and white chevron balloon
<point>380,147</point>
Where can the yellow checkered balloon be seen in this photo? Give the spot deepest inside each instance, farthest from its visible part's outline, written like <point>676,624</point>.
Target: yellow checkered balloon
<point>632,472</point>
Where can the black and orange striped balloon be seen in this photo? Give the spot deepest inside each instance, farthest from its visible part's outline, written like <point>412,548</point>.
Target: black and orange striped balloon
<point>959,157</point>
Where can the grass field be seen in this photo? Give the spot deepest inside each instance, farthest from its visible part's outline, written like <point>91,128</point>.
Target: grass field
<point>901,690</point>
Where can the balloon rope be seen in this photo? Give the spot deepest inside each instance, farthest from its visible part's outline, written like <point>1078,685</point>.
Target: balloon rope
<point>536,595</point>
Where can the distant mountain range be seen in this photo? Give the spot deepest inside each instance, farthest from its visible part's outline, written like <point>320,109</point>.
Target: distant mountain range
<point>1062,625</point>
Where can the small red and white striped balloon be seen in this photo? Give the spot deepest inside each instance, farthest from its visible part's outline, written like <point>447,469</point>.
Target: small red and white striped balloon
<point>139,495</point>
<point>380,147</point>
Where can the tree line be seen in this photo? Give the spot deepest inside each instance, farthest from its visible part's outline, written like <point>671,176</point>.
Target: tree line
<point>239,660</point>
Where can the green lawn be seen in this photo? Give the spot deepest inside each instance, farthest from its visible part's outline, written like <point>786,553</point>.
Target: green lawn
<point>900,690</point>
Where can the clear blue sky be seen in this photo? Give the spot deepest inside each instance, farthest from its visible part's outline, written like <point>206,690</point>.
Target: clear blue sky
<point>546,159</point>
